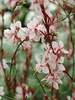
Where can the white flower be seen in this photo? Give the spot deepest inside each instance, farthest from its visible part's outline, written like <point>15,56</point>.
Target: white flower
<point>19,92</point>
<point>58,47</point>
<point>12,32</point>
<point>1,92</point>
<point>16,25</point>
<point>69,98</point>
<point>58,50</point>
<point>54,78</point>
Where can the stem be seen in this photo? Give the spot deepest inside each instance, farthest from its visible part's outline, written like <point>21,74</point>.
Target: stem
<point>71,39</point>
<point>14,55</point>
<point>1,47</point>
<point>60,20</point>
<point>39,82</point>
<point>1,42</point>
<point>68,75</point>
<point>32,67</point>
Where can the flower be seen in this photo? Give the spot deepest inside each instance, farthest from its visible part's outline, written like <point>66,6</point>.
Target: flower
<point>1,91</point>
<point>12,32</point>
<point>35,27</point>
<point>58,47</point>
<point>18,93</point>
<point>49,60</point>
<point>54,77</point>
<point>51,66</point>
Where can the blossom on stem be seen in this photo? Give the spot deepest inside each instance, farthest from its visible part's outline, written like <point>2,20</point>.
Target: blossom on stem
<point>1,92</point>
<point>11,34</point>
<point>58,47</point>
<point>51,66</point>
<point>54,79</point>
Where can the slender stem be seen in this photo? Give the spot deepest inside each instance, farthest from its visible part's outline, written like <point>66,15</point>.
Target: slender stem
<point>71,39</point>
<point>60,20</point>
<point>65,72</point>
<point>32,67</point>
<point>1,42</point>
<point>14,55</point>
<point>39,82</point>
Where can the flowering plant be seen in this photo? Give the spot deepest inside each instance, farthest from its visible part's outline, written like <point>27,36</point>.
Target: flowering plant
<point>31,45</point>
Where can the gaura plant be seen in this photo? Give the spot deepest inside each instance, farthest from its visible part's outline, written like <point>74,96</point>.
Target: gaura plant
<point>40,33</point>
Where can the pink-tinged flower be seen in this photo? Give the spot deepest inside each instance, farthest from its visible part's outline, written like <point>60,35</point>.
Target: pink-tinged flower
<point>52,67</point>
<point>51,56</point>
<point>49,60</point>
<point>35,27</point>
<point>58,47</point>
<point>11,34</point>
<point>26,40</point>
<point>41,28</point>
<point>54,77</point>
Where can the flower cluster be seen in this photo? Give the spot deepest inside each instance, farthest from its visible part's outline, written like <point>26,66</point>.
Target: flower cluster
<point>42,28</point>
<point>52,63</point>
<point>14,34</point>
